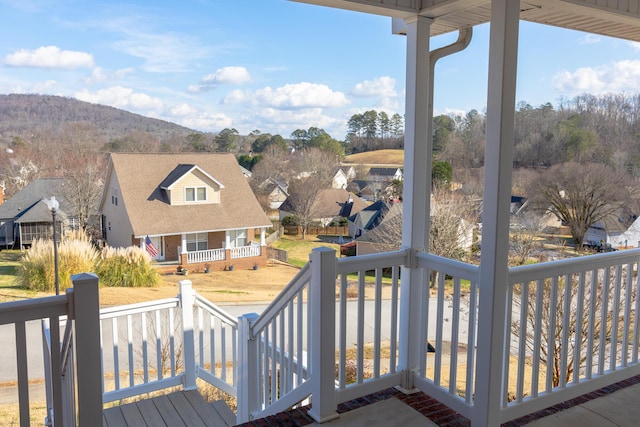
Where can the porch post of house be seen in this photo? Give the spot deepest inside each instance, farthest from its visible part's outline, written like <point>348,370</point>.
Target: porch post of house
<point>188,336</point>
<point>86,309</point>
<point>248,384</point>
<point>492,327</point>
<point>416,195</point>
<point>322,296</point>
<point>263,236</point>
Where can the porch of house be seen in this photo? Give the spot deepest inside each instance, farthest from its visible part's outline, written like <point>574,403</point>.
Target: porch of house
<point>284,356</point>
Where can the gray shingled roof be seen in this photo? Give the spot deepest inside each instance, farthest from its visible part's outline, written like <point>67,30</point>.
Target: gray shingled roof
<point>331,202</point>
<point>24,200</point>
<point>140,176</point>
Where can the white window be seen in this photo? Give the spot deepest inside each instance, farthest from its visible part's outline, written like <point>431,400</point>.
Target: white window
<point>195,194</point>
<point>237,238</point>
<point>114,196</point>
<point>197,242</point>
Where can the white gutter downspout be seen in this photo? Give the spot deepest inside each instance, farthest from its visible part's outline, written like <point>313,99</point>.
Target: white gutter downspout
<point>417,166</point>
<point>464,38</point>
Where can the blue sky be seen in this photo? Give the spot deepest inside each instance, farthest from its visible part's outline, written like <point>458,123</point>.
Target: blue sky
<point>273,65</point>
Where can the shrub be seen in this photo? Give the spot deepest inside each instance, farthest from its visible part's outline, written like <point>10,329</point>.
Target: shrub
<point>128,267</point>
<point>76,255</point>
<point>289,220</point>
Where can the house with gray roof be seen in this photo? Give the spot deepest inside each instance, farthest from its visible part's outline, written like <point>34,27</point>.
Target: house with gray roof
<point>329,205</point>
<point>195,208</point>
<point>25,217</point>
<point>621,230</point>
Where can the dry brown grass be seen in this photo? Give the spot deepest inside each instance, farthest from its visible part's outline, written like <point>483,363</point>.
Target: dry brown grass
<point>239,285</point>
<point>378,157</point>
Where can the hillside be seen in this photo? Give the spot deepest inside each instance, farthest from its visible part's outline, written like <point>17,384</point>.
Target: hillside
<point>21,115</point>
<point>379,157</point>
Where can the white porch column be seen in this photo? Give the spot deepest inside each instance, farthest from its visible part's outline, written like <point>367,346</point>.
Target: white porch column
<point>263,237</point>
<point>183,243</point>
<point>142,243</point>
<point>498,164</point>
<point>417,184</point>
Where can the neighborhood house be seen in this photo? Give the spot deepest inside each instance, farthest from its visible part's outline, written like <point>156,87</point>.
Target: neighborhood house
<point>195,209</point>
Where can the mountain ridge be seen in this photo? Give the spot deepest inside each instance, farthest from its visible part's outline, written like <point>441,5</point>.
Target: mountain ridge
<point>21,114</point>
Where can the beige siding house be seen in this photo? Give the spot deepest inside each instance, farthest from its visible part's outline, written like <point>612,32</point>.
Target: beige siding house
<point>197,209</point>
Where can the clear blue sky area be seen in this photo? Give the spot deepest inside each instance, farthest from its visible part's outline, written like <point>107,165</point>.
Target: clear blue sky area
<point>273,65</point>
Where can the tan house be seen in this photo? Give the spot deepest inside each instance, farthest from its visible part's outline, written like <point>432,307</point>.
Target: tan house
<point>197,209</point>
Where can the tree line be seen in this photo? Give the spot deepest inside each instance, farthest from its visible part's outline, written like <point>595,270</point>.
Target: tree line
<point>601,129</point>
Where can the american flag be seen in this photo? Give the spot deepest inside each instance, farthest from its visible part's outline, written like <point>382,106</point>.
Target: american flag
<point>153,251</point>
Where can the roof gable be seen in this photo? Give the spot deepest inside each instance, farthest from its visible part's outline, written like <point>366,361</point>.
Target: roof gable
<point>180,172</point>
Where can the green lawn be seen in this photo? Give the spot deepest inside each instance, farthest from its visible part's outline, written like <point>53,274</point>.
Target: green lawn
<point>299,249</point>
<point>9,262</point>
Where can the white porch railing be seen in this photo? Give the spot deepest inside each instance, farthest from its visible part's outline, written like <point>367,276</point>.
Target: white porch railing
<point>582,311</point>
<point>208,255</point>
<point>159,344</point>
<point>67,373</point>
<point>211,255</point>
<point>291,335</point>
<point>604,349</point>
<point>81,307</point>
<point>575,329</point>
<point>245,251</point>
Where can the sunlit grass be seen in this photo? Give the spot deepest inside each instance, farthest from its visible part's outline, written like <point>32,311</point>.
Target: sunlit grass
<point>298,249</point>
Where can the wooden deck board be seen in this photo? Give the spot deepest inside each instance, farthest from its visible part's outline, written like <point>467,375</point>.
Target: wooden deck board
<point>150,413</point>
<point>206,412</point>
<point>184,408</point>
<point>225,412</point>
<point>179,409</point>
<point>168,411</point>
<point>132,415</point>
<point>113,417</point>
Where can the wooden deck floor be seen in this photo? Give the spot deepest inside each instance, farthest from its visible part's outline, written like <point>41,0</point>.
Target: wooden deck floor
<point>181,408</point>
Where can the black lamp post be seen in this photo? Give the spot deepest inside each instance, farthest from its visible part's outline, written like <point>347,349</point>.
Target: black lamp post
<point>53,205</point>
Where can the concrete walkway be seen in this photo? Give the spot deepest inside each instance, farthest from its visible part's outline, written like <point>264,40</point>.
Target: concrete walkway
<point>620,408</point>
<point>613,406</point>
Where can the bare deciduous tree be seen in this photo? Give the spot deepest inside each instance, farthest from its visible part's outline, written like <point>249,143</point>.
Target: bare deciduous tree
<point>453,218</point>
<point>524,236</point>
<point>580,195</point>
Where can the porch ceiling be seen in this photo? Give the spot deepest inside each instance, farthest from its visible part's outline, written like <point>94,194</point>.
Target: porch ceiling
<point>620,19</point>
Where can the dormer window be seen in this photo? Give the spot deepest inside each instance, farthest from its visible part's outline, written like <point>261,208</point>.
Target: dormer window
<point>195,194</point>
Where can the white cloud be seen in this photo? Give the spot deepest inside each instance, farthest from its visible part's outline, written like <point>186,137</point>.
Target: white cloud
<point>382,86</point>
<point>635,46</point>
<point>226,75</point>
<point>622,76</point>
<point>122,97</point>
<point>49,57</point>
<point>162,53</point>
<point>207,122</point>
<point>46,86</point>
<point>183,110</point>
<point>300,95</point>
<point>237,96</point>
<point>590,39</point>
<point>99,74</point>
